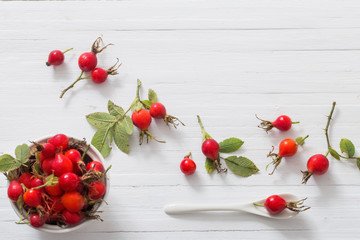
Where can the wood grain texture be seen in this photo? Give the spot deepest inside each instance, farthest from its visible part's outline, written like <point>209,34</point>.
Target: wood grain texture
<point>223,60</point>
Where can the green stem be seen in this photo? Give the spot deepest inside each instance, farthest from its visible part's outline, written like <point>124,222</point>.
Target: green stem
<point>86,150</point>
<point>72,85</point>
<point>205,135</point>
<point>259,205</point>
<point>295,122</point>
<point>328,124</point>
<point>68,50</point>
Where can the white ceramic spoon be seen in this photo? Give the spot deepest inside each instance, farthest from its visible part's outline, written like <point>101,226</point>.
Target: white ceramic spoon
<point>180,208</point>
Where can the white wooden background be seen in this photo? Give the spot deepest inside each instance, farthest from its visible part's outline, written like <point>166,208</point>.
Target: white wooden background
<point>224,60</point>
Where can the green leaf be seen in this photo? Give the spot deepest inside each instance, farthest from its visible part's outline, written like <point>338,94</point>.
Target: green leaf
<point>138,106</point>
<point>99,141</point>
<point>22,153</point>
<point>241,166</point>
<point>152,96</point>
<point>121,138</point>
<point>100,119</point>
<point>147,104</point>
<point>347,146</point>
<point>209,165</point>
<point>51,180</point>
<point>8,163</point>
<point>358,163</point>
<point>115,110</point>
<point>134,104</point>
<point>230,145</point>
<point>334,153</point>
<point>128,125</point>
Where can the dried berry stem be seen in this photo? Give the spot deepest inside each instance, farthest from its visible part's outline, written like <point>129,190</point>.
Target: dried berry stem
<point>327,127</point>
<point>72,85</point>
<point>297,206</point>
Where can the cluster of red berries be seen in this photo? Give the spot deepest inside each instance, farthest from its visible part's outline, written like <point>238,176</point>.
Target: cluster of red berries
<point>317,164</point>
<point>59,187</point>
<point>87,63</point>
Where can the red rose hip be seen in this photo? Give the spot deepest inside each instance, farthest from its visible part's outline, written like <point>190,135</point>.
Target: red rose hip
<point>210,149</point>
<point>141,119</point>
<point>317,164</point>
<point>187,166</point>
<point>14,190</point>
<point>69,181</point>
<point>62,165</point>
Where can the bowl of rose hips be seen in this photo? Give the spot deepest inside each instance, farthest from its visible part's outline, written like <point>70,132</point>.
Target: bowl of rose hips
<point>57,184</point>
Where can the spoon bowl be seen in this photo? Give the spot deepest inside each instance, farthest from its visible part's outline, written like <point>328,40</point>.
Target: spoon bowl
<point>181,208</point>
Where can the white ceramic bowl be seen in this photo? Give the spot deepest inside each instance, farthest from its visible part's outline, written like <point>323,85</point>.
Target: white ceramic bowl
<point>95,155</point>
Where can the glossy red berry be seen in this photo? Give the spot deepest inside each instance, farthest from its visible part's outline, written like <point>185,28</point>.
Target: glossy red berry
<point>48,150</point>
<point>87,61</point>
<point>60,141</point>
<point>318,164</point>
<point>97,189</point>
<point>157,110</point>
<point>69,181</point>
<point>32,197</point>
<point>96,166</point>
<point>99,75</point>
<point>26,179</point>
<point>141,119</point>
<point>210,149</point>
<point>187,166</point>
<point>36,221</point>
<point>287,148</point>
<point>74,155</point>
<point>14,190</point>
<point>56,205</point>
<point>54,191</point>
<point>36,182</point>
<point>73,201</point>
<point>62,165</point>
<point>275,204</point>
<point>55,58</point>
<point>47,166</point>
<point>71,218</point>
<point>283,123</point>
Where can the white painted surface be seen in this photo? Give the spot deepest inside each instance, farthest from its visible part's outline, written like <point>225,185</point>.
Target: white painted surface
<point>224,60</point>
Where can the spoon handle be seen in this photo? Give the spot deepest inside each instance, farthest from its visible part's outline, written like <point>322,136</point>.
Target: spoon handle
<point>179,208</point>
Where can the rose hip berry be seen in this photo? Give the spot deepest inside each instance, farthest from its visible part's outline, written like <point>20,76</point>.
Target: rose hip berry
<point>210,149</point>
<point>96,166</point>
<point>56,57</point>
<point>283,123</point>
<point>54,191</point>
<point>26,179</point>
<point>36,182</point>
<point>73,154</point>
<point>317,164</point>
<point>14,190</point>
<point>99,75</point>
<point>60,141</point>
<point>47,166</point>
<point>62,165</point>
<point>97,189</point>
<point>141,119</point>
<point>69,181</point>
<point>158,111</point>
<point>73,201</point>
<point>275,204</point>
<point>71,218</point>
<point>36,221</point>
<point>48,150</point>
<point>187,165</point>
<point>32,197</point>
<point>287,148</point>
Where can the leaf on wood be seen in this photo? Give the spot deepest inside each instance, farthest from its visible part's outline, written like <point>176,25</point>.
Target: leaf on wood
<point>99,141</point>
<point>230,145</point>
<point>152,96</point>
<point>128,125</point>
<point>100,119</point>
<point>8,163</point>
<point>241,166</point>
<point>115,110</point>
<point>22,153</point>
<point>209,165</point>
<point>121,138</point>
<point>346,146</point>
<point>334,153</point>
